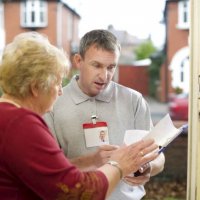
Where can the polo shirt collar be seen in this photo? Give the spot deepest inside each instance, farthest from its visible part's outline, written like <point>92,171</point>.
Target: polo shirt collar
<point>79,97</point>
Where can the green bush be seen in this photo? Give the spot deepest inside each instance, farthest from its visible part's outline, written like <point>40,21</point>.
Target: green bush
<point>154,72</point>
<point>148,50</point>
<point>145,50</point>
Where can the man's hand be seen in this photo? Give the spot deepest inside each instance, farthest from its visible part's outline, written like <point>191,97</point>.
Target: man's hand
<point>142,178</point>
<point>102,155</point>
<point>146,171</point>
<point>95,159</point>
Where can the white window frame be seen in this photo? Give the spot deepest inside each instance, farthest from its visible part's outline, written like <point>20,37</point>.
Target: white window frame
<point>31,12</point>
<point>183,14</point>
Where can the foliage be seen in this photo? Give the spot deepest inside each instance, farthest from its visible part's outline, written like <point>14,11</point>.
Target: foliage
<point>154,72</point>
<point>148,50</point>
<point>67,79</point>
<point>178,90</point>
<point>145,50</point>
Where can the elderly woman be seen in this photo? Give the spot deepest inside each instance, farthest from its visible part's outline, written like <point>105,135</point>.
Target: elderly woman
<point>32,166</point>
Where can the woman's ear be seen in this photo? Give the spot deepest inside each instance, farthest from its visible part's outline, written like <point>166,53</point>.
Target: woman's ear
<point>77,60</point>
<point>34,89</point>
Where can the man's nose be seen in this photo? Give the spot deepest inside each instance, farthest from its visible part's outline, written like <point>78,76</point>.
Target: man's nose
<point>104,74</point>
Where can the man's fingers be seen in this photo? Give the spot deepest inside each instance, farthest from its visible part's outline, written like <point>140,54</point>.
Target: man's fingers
<point>107,147</point>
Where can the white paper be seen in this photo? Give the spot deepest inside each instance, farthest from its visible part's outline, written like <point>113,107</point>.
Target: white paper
<point>132,136</point>
<point>163,133</point>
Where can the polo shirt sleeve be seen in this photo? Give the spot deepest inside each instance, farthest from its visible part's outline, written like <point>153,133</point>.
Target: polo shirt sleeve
<point>33,155</point>
<point>143,119</point>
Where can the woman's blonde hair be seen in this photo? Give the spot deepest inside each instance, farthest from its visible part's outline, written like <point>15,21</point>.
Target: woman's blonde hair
<point>30,58</point>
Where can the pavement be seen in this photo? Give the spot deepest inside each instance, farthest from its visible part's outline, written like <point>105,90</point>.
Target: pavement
<point>158,109</point>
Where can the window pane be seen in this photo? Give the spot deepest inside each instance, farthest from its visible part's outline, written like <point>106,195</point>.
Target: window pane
<point>34,13</point>
<point>41,17</point>
<point>183,14</point>
<point>32,16</point>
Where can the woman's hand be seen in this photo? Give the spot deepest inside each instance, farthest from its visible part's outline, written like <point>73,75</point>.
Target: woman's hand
<point>131,158</point>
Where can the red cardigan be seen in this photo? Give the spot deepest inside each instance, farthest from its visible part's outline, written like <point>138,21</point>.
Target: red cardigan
<point>32,166</point>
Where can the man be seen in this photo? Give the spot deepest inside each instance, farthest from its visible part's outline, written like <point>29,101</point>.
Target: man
<point>91,102</point>
<point>102,136</point>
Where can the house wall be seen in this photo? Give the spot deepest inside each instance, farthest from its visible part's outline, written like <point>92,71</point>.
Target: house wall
<point>12,20</point>
<point>176,39</point>
<point>69,33</point>
<point>50,30</point>
<point>12,24</point>
<point>135,77</point>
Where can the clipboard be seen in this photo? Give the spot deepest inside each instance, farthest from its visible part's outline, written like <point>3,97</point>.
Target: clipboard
<point>181,130</point>
<point>164,132</point>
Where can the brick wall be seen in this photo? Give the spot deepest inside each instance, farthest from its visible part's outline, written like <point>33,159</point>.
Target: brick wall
<point>175,40</point>
<point>135,77</point>
<point>13,27</point>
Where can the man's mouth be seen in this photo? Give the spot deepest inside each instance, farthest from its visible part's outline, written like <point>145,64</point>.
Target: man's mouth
<point>101,85</point>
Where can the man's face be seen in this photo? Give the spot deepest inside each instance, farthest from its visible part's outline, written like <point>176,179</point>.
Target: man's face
<point>96,70</point>
<point>102,135</point>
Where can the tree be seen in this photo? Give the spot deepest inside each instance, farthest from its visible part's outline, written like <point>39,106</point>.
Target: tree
<point>145,50</point>
<point>157,60</point>
<point>148,50</point>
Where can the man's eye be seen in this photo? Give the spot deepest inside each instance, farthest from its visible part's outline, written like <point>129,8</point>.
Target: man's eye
<point>111,68</point>
<point>96,65</point>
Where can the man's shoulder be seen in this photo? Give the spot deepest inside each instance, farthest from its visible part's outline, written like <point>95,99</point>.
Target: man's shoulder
<point>66,89</point>
<point>122,89</point>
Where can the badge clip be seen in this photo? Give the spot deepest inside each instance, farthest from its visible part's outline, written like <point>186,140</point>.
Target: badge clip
<point>94,119</point>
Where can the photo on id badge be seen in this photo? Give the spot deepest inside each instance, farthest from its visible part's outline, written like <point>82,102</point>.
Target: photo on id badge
<point>102,136</point>
<point>96,136</point>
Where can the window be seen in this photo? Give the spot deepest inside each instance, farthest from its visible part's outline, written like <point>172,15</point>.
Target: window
<point>183,14</point>
<point>34,13</point>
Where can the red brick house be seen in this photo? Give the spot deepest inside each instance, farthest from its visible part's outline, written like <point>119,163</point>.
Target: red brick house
<point>52,18</point>
<point>175,70</point>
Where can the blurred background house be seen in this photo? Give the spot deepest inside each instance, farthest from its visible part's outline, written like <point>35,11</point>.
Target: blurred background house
<point>174,74</point>
<point>130,72</point>
<point>60,23</point>
<point>159,73</point>
<point>53,18</point>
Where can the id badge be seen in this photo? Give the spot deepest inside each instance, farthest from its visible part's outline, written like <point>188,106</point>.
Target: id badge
<point>96,134</point>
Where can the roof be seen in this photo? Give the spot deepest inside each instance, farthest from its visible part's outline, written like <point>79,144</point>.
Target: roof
<point>71,9</point>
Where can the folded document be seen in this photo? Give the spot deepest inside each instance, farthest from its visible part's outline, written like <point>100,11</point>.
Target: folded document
<point>163,133</point>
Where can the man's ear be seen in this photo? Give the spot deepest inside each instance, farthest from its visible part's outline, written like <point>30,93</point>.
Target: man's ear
<point>77,60</point>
